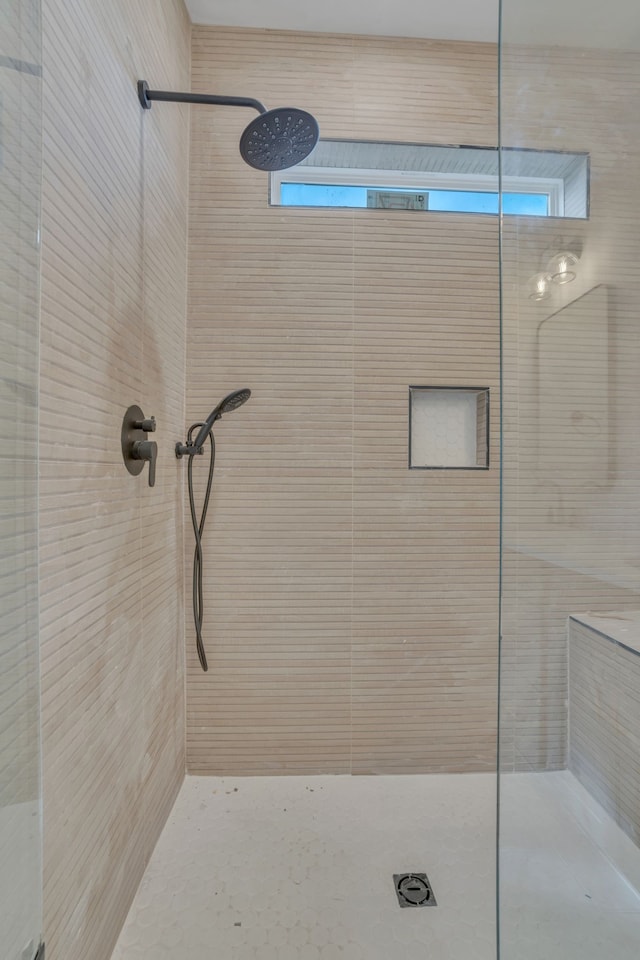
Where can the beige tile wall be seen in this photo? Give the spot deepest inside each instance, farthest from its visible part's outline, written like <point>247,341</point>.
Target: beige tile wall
<point>604,713</point>
<point>20,179</point>
<point>351,604</point>
<point>113,322</point>
<point>571,532</point>
<point>20,176</point>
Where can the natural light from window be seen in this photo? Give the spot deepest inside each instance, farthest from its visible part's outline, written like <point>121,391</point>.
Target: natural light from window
<point>433,178</point>
<point>456,201</point>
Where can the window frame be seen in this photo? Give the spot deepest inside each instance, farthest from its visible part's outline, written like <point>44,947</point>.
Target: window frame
<point>553,188</point>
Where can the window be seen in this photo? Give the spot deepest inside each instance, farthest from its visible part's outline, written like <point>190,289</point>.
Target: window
<point>343,173</point>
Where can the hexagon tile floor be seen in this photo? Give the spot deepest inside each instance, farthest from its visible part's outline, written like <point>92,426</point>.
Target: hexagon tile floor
<point>301,868</point>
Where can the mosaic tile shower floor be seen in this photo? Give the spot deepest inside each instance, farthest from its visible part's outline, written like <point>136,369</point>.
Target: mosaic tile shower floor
<point>301,868</point>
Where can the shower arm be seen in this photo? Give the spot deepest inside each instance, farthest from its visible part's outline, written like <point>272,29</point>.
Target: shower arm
<point>146,96</point>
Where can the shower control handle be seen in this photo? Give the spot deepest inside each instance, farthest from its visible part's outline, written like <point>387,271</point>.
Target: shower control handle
<point>146,450</point>
<point>148,426</point>
<point>136,449</point>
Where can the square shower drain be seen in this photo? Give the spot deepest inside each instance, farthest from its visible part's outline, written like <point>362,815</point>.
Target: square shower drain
<point>414,890</point>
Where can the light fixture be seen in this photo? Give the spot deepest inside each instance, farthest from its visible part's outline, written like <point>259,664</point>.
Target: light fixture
<point>539,287</point>
<point>561,267</point>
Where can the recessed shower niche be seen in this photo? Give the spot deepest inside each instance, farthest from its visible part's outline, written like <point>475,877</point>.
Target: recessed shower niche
<point>448,428</point>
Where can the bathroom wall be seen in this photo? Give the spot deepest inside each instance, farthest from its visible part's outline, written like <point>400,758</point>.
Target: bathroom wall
<point>20,179</point>
<point>604,712</point>
<point>20,174</point>
<point>113,334</point>
<point>571,530</point>
<point>351,604</point>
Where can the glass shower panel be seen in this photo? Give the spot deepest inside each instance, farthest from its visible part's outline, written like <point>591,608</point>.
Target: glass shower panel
<point>20,175</point>
<point>569,851</point>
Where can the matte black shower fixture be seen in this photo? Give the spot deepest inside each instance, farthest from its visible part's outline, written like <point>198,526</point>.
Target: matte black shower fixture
<point>231,402</point>
<point>190,449</point>
<point>275,140</point>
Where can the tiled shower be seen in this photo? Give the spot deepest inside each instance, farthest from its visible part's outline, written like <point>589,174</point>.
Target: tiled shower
<point>326,539</point>
<point>382,641</point>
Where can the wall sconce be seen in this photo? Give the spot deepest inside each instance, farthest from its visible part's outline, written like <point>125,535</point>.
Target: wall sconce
<point>539,287</point>
<point>562,267</point>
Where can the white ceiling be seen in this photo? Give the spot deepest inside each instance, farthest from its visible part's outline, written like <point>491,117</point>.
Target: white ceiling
<point>589,23</point>
<point>438,19</point>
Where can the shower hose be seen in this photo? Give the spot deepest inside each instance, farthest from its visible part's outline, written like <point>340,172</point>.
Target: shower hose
<point>198,528</point>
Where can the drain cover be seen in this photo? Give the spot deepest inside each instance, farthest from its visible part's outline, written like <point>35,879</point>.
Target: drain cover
<point>414,890</point>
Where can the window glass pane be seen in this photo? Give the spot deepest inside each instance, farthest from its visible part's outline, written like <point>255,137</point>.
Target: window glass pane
<point>322,195</point>
<point>463,201</point>
<point>539,183</point>
<point>528,204</point>
<point>455,201</point>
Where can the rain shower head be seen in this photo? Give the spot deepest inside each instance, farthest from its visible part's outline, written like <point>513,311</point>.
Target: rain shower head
<point>275,140</point>
<point>279,139</point>
<point>231,402</point>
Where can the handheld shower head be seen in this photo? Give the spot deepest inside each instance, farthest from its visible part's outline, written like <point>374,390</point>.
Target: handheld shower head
<point>234,400</point>
<point>231,402</point>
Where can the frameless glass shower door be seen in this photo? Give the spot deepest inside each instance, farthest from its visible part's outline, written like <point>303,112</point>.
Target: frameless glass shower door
<point>20,174</point>
<point>569,855</point>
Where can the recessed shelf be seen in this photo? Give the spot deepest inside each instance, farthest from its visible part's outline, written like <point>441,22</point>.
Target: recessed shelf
<point>448,428</point>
